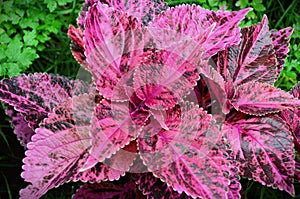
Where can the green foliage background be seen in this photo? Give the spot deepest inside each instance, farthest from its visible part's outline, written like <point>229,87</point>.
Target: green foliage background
<point>33,38</point>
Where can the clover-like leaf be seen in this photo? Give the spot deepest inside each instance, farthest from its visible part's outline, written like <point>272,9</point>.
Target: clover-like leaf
<point>252,60</point>
<point>35,95</point>
<point>185,155</point>
<point>260,99</point>
<point>264,149</point>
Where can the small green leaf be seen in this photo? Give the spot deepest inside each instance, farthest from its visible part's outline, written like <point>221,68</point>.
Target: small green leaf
<point>10,69</point>
<point>244,3</point>
<point>259,7</point>
<point>297,54</point>
<point>51,5</point>
<point>27,56</point>
<point>4,38</point>
<point>28,22</point>
<point>3,18</point>
<point>7,5</point>
<point>2,55</point>
<point>14,18</point>
<point>13,69</point>
<point>43,37</point>
<point>14,49</point>
<point>20,12</point>
<point>29,38</point>
<point>63,2</point>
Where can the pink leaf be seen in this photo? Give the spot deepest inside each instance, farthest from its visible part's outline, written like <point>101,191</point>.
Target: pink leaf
<point>107,190</point>
<point>292,119</point>
<point>113,44</point>
<point>261,99</point>
<point>144,10</point>
<point>154,188</point>
<point>34,96</point>
<point>234,177</point>
<point>77,45</point>
<point>280,41</point>
<point>297,167</point>
<point>163,79</point>
<point>252,60</point>
<point>264,149</point>
<point>185,155</point>
<point>213,30</point>
<point>20,126</point>
<point>113,129</point>
<point>60,148</point>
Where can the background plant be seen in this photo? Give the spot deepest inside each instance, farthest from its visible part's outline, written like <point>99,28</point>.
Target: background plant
<point>25,44</point>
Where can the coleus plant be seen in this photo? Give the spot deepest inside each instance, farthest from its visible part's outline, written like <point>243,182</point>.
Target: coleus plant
<point>181,102</point>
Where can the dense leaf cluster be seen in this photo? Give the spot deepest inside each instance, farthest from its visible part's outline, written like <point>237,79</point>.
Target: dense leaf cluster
<point>182,101</point>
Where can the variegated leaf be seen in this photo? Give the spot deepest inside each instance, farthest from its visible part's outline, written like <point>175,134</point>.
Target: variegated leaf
<point>252,60</point>
<point>20,126</point>
<point>213,30</point>
<point>144,10</point>
<point>60,147</point>
<point>280,41</point>
<point>77,45</point>
<point>292,119</point>
<point>35,95</point>
<point>114,129</point>
<point>264,149</point>
<point>185,155</point>
<point>154,188</point>
<point>260,99</point>
<point>163,79</point>
<point>108,190</point>
<point>113,46</point>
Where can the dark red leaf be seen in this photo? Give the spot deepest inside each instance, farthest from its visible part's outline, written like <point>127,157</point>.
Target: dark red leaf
<point>280,41</point>
<point>260,99</point>
<point>264,149</point>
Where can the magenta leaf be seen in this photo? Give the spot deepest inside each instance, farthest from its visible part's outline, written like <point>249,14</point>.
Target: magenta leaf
<point>163,79</point>
<point>20,126</point>
<point>292,119</point>
<point>185,155</point>
<point>260,99</point>
<point>143,10</point>
<point>264,149</point>
<point>234,176</point>
<point>107,190</point>
<point>77,45</point>
<point>154,188</point>
<point>34,96</point>
<point>113,129</point>
<point>60,147</point>
<point>252,60</point>
<point>113,44</point>
<point>280,41</point>
<point>213,30</point>
<point>297,167</point>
